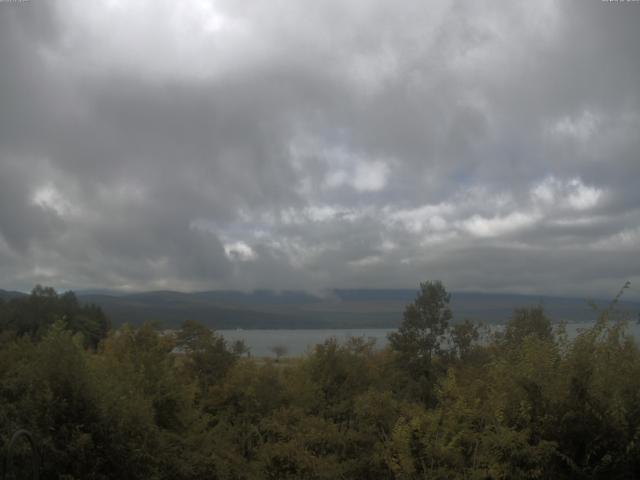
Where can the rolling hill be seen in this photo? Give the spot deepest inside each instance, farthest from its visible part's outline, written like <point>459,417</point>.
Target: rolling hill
<point>341,308</point>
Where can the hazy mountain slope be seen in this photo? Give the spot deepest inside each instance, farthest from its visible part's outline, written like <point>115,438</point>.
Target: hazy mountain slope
<point>337,309</point>
<point>8,294</point>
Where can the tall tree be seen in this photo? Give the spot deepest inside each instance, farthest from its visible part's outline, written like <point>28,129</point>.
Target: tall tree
<point>207,356</point>
<point>419,337</point>
<point>424,324</point>
<point>463,336</point>
<point>32,315</point>
<point>528,322</point>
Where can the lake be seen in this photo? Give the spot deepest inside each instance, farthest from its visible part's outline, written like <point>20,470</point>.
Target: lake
<point>299,342</point>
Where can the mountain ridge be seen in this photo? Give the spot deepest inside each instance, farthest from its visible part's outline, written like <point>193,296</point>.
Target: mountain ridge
<point>340,308</point>
<point>334,309</point>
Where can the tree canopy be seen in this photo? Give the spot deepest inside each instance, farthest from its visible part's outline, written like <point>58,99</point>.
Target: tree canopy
<point>32,315</point>
<point>529,403</point>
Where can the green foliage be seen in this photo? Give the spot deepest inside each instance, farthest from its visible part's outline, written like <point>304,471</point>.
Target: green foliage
<point>528,322</point>
<point>208,357</point>
<point>33,315</point>
<point>424,324</point>
<point>463,337</point>
<point>529,404</point>
<point>419,339</point>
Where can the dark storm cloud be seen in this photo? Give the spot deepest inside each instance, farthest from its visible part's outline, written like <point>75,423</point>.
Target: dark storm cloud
<point>236,144</point>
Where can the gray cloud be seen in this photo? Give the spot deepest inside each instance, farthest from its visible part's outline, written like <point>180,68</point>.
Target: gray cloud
<point>233,144</point>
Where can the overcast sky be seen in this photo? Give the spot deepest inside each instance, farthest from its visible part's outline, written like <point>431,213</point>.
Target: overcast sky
<point>291,144</point>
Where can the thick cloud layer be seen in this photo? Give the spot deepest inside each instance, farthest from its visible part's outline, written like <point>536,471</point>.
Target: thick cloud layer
<point>286,144</point>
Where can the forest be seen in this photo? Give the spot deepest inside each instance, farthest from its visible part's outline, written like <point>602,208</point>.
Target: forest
<point>446,399</point>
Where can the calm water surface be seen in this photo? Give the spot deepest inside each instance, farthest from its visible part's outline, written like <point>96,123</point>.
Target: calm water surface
<point>299,342</point>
